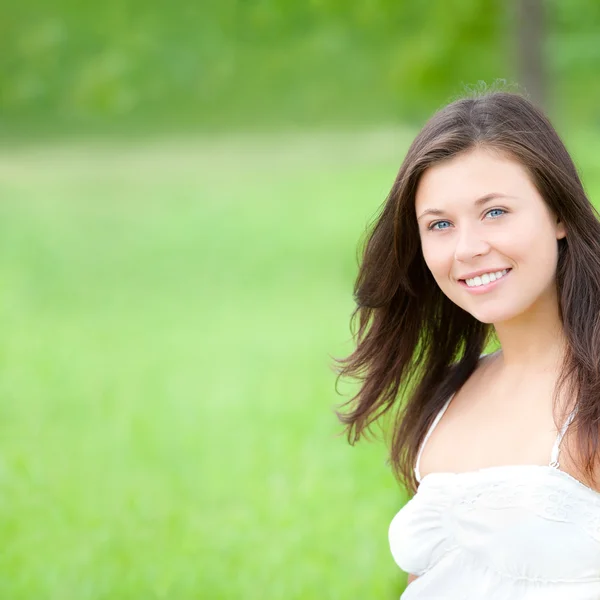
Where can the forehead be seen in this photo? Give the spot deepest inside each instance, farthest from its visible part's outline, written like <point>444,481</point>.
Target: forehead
<point>471,175</point>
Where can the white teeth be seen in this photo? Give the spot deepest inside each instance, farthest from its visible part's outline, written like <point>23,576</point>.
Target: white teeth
<point>486,278</point>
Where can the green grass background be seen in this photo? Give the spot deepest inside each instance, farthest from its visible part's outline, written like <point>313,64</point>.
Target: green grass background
<point>167,309</point>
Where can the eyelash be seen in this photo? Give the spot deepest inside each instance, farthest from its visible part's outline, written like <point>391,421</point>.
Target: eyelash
<point>431,226</point>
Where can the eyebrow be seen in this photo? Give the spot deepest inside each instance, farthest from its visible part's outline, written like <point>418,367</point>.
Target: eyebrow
<point>478,202</point>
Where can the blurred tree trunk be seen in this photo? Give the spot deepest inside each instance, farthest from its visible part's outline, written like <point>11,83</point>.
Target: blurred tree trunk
<point>530,43</point>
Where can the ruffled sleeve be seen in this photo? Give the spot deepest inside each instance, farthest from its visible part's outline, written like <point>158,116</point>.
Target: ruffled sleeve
<point>419,535</point>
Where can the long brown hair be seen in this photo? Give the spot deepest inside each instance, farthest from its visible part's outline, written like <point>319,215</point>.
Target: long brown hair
<point>414,347</point>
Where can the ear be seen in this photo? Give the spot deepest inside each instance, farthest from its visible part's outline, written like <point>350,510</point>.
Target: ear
<point>561,231</point>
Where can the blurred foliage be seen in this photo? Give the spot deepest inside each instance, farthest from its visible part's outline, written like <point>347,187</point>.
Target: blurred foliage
<point>229,64</point>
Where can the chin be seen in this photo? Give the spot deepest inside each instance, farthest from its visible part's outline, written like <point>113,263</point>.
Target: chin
<point>492,317</point>
<point>486,319</point>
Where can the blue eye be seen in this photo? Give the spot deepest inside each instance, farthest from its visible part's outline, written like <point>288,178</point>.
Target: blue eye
<point>433,225</point>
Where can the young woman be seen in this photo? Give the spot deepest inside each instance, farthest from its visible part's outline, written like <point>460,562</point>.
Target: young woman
<point>487,237</point>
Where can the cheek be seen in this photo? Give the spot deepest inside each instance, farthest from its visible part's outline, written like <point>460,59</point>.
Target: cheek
<point>530,246</point>
<point>438,259</point>
<point>546,256</point>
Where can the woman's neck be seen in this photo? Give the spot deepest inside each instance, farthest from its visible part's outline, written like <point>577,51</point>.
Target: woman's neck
<point>534,341</point>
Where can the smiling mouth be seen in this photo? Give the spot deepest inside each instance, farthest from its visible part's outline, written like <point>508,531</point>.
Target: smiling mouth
<point>490,283</point>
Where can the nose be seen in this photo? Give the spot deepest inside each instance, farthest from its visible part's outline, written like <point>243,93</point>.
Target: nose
<point>469,243</point>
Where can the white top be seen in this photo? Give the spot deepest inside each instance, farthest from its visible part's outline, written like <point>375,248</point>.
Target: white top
<point>515,532</point>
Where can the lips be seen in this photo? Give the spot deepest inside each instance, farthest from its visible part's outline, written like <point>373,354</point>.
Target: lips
<point>480,273</point>
<point>484,287</point>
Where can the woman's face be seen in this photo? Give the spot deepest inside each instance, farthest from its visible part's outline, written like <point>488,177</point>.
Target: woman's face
<point>490,218</point>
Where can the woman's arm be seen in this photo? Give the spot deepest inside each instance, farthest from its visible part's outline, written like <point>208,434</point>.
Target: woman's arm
<point>411,578</point>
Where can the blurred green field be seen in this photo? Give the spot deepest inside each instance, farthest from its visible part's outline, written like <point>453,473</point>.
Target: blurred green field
<point>167,312</point>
